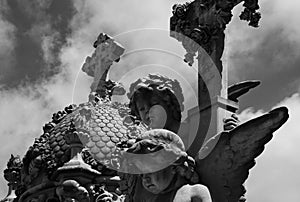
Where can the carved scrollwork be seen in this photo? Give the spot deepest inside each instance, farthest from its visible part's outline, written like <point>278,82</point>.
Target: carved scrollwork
<point>69,109</point>
<point>48,126</point>
<point>72,191</point>
<point>57,117</point>
<point>100,194</point>
<point>250,15</point>
<point>179,10</point>
<point>178,24</point>
<point>201,34</point>
<point>12,172</point>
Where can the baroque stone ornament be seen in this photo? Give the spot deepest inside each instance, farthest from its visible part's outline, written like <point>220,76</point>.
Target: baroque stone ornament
<point>71,190</point>
<point>13,175</point>
<point>201,23</point>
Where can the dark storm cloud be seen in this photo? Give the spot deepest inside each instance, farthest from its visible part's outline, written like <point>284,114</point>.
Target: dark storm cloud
<point>7,45</point>
<point>41,29</point>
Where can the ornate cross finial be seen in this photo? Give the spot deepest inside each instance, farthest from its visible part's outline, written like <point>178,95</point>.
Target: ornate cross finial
<point>97,66</point>
<point>202,22</point>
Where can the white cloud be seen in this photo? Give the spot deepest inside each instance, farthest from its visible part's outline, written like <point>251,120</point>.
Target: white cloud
<point>286,14</point>
<point>48,44</point>
<point>275,177</point>
<point>249,113</point>
<point>22,118</point>
<point>24,111</point>
<point>119,16</point>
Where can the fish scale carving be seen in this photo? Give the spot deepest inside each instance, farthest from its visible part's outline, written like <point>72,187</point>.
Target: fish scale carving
<point>103,130</point>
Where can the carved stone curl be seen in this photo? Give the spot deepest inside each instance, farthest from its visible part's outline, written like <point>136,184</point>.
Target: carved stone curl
<point>250,14</point>
<point>13,175</point>
<point>12,172</point>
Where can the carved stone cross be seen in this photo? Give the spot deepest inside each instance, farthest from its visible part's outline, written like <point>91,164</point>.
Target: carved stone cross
<point>199,26</point>
<point>107,51</point>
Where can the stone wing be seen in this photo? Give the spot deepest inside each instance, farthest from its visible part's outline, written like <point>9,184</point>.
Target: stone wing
<point>226,167</point>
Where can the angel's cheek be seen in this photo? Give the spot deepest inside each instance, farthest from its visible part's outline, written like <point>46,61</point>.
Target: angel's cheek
<point>158,117</point>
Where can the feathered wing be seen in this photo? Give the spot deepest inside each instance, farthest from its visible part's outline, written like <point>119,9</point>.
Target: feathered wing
<point>226,167</point>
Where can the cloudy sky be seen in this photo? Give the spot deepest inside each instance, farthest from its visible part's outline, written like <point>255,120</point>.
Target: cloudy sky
<point>43,45</point>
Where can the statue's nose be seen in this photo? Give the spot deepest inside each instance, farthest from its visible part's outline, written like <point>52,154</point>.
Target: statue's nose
<point>146,178</point>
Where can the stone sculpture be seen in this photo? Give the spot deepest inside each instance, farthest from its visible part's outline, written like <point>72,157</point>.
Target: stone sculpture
<point>79,154</point>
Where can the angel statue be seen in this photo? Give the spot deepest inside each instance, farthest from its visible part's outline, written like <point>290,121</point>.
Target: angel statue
<point>222,168</point>
<point>222,163</point>
<point>177,181</point>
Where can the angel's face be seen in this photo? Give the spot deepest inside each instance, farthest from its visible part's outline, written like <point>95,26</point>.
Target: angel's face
<point>152,112</point>
<point>158,181</point>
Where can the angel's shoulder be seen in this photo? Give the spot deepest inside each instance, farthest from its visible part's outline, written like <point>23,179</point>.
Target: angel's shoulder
<point>197,190</point>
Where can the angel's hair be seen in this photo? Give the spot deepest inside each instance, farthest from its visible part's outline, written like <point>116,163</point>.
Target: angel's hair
<point>185,167</point>
<point>166,89</point>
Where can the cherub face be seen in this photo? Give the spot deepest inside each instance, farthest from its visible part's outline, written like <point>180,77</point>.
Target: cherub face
<point>152,112</point>
<point>158,181</point>
<point>158,117</point>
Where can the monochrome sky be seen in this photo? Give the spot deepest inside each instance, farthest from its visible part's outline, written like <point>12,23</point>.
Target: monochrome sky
<point>44,43</point>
